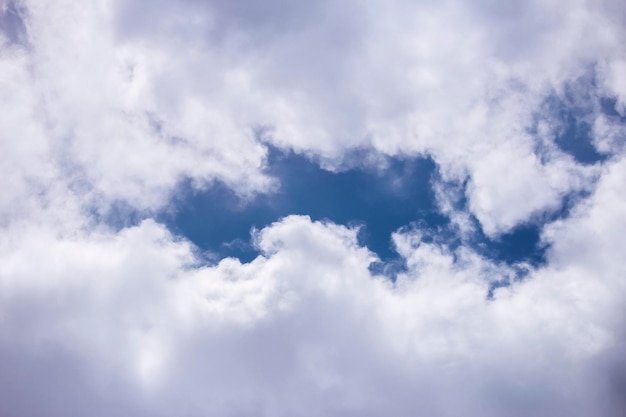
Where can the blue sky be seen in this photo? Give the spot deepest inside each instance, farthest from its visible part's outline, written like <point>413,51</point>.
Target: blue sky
<point>381,200</point>
<point>379,194</point>
<point>244,208</point>
<point>378,199</point>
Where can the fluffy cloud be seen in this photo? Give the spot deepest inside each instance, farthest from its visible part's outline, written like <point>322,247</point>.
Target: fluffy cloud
<point>114,102</point>
<point>130,324</point>
<point>192,86</point>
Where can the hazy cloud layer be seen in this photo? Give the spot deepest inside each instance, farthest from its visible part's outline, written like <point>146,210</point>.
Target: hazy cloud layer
<point>115,103</point>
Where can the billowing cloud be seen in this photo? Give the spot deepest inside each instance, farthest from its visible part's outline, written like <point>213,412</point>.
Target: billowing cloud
<point>129,323</point>
<point>116,104</point>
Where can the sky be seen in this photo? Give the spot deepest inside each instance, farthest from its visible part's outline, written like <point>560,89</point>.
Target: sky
<point>277,208</point>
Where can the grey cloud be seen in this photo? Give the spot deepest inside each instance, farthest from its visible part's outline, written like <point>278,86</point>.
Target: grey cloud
<point>12,16</point>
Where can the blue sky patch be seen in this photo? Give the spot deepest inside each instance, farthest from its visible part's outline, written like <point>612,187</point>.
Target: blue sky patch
<point>573,113</point>
<point>381,201</point>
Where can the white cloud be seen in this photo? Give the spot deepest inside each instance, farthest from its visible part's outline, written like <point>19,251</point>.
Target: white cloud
<point>186,84</point>
<point>454,79</point>
<point>119,101</point>
<point>306,329</point>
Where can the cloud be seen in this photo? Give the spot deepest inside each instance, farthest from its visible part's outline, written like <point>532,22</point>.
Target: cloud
<point>187,84</point>
<point>109,103</point>
<point>178,79</point>
<point>305,328</point>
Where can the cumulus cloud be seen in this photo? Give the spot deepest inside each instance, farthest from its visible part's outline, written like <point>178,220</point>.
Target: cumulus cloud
<point>115,102</point>
<point>189,86</point>
<point>130,324</point>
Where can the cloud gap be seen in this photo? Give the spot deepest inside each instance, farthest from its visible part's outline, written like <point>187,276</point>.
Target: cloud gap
<point>379,199</point>
<point>568,116</point>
